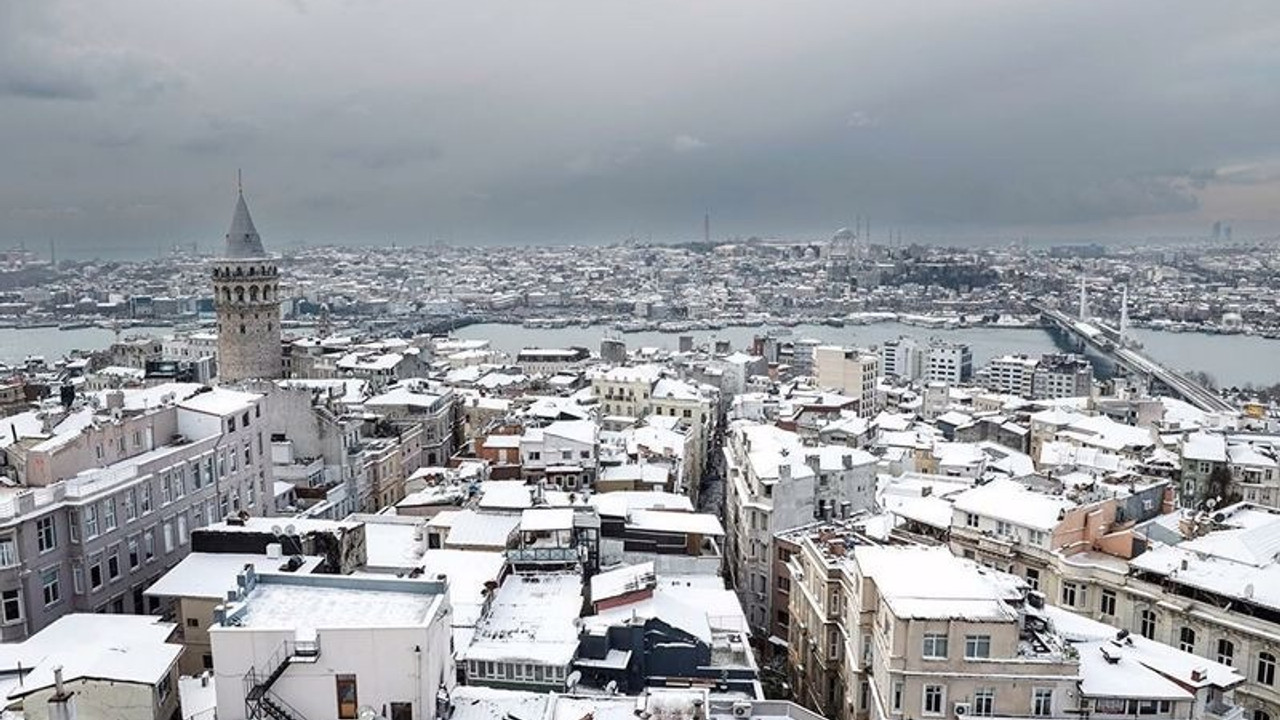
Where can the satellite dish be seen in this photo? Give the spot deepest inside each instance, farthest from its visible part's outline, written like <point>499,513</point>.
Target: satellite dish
<point>574,678</point>
<point>275,530</point>
<point>290,530</point>
<point>367,712</point>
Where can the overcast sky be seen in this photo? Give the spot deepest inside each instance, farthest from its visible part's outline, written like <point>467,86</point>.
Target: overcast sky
<point>123,122</point>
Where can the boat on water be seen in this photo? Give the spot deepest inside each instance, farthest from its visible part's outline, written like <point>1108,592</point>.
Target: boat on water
<point>79,325</point>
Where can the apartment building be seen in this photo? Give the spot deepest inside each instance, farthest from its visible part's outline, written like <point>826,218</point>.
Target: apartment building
<point>1012,374</point>
<point>903,358</point>
<point>1062,376</point>
<point>625,391</point>
<point>109,492</point>
<point>950,640</point>
<point>434,409</point>
<point>775,482</point>
<point>323,646</point>
<point>850,371</point>
<point>949,362</point>
<point>1008,525</point>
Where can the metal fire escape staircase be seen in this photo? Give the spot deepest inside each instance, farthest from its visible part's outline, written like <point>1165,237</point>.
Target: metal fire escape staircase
<point>260,702</point>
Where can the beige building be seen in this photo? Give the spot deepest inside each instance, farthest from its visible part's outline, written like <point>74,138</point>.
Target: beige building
<point>850,371</point>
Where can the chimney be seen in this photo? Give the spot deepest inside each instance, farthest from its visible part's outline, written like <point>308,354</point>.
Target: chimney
<point>784,472</point>
<point>61,706</point>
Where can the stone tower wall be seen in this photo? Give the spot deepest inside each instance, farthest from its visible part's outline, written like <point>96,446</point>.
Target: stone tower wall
<point>247,300</point>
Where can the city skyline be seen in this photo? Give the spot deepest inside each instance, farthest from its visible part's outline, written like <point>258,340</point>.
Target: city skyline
<point>483,124</point>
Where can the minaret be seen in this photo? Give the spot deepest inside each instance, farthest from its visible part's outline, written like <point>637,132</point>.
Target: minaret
<point>1084,301</point>
<point>1124,314</point>
<point>246,297</point>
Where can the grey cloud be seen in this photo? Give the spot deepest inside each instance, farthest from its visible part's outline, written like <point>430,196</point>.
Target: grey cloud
<point>577,120</point>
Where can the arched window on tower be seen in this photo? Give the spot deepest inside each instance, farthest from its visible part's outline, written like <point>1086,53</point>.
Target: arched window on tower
<point>253,293</point>
<point>239,294</point>
<point>239,271</point>
<point>226,294</point>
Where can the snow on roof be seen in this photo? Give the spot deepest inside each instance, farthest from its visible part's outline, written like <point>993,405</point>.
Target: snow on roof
<point>505,495</point>
<point>1013,502</point>
<point>634,374</point>
<point>1246,454</point>
<point>644,473</point>
<point>277,604</point>
<point>198,697</point>
<point>1238,562</point>
<point>470,529</point>
<point>931,583</point>
<point>930,510</point>
<point>532,619</point>
<point>475,702</point>
<point>667,521</point>
<point>220,401</point>
<point>404,394</point>
<point>467,572</point>
<point>392,545</point>
<point>211,575</point>
<point>1209,447</point>
<point>620,504</point>
<point>672,389</point>
<point>1146,668</point>
<point>546,519</point>
<point>581,431</point>
<point>120,648</point>
<point>622,580</point>
<point>696,604</point>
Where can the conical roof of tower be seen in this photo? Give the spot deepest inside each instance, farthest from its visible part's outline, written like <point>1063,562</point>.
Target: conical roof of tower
<point>242,238</point>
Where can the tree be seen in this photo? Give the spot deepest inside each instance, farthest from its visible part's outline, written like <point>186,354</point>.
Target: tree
<point>1219,487</point>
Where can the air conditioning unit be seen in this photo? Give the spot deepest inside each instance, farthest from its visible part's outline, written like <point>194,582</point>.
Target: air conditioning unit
<point>742,709</point>
<point>962,709</point>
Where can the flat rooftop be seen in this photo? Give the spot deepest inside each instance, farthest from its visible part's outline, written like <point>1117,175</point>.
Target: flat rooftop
<point>322,602</point>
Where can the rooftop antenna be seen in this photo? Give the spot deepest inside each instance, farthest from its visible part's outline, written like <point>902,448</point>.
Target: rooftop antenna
<point>239,182</point>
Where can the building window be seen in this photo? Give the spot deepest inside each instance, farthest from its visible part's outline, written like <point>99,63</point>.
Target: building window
<point>1033,578</point>
<point>95,572</point>
<point>1108,603</point>
<point>977,646</point>
<point>8,552</point>
<point>1266,673</point>
<point>167,532</point>
<point>934,697</point>
<point>130,505</point>
<point>347,696</point>
<point>135,559</point>
<point>90,522</point>
<point>113,563</point>
<point>1187,640</point>
<point>984,701</point>
<point>897,696</point>
<point>1069,593</point>
<point>1042,702</point>
<point>144,493</point>
<point>149,544</point>
<point>1147,624</point>
<point>46,535</point>
<point>109,514</point>
<point>49,586</point>
<point>1226,652</point>
<point>10,607</point>
<point>935,646</point>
